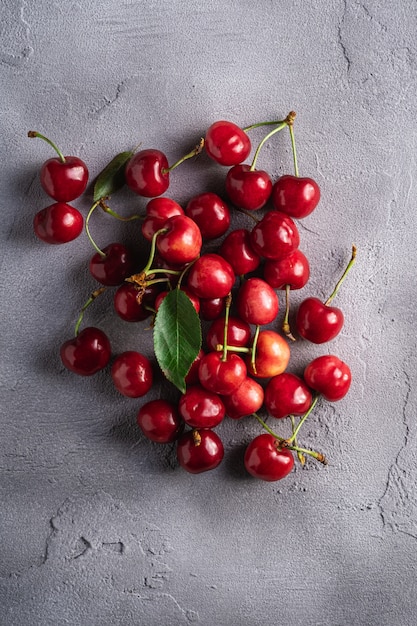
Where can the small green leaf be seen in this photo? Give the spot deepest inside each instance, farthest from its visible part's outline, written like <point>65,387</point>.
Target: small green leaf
<point>112,178</point>
<point>177,337</point>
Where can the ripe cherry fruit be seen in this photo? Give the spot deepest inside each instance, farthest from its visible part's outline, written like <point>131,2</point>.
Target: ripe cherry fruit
<point>287,394</point>
<point>58,223</point>
<point>247,399</point>
<point>199,450</point>
<point>113,266</point>
<point>132,374</point>
<point>257,303</point>
<point>275,236</point>
<point>237,249</point>
<point>328,375</point>
<point>226,143</point>
<point>272,355</point>
<point>147,173</point>
<point>87,353</point>
<point>201,408</point>
<point>182,241</point>
<point>222,376</point>
<point>211,276</point>
<point>160,421</point>
<point>265,459</point>
<point>295,196</point>
<point>248,188</point>
<point>210,213</point>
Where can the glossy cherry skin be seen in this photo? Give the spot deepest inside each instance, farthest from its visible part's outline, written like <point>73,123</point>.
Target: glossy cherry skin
<point>211,276</point>
<point>114,267</point>
<point>210,213</point>
<point>147,173</point>
<point>237,249</point>
<point>264,458</point>
<point>238,333</point>
<point>257,303</point>
<point>160,421</point>
<point>275,236</point>
<point>87,353</point>
<point>158,210</point>
<point>247,399</point>
<point>226,143</point>
<point>222,377</point>
<point>211,308</point>
<point>64,181</point>
<point>330,376</point>
<point>58,223</point>
<point>292,270</point>
<point>248,189</point>
<point>199,450</point>
<point>272,355</point>
<point>132,374</point>
<point>287,394</point>
<point>182,242</point>
<point>127,305</point>
<point>295,196</point>
<point>201,408</point>
<point>318,322</point>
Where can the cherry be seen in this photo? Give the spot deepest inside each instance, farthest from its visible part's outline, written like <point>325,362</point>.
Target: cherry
<point>237,249</point>
<point>158,210</point>
<point>222,376</point>
<point>257,303</point>
<point>295,196</point>
<point>194,300</point>
<point>248,188</point>
<point>275,235</point>
<point>192,376</point>
<point>58,223</point>
<point>272,355</point>
<point>328,375</point>
<point>293,270</point>
<point>113,266</point>
<point>211,308</point>
<point>317,321</point>
<point>199,450</point>
<point>129,307</point>
<point>210,213</point>
<point>238,333</point>
<point>63,178</point>
<point>182,241</point>
<point>287,394</point>
<point>160,421</point>
<point>87,353</point>
<point>147,173</point>
<point>132,374</point>
<point>226,143</point>
<point>265,459</point>
<point>211,276</point>
<point>247,399</point>
<point>201,408</point>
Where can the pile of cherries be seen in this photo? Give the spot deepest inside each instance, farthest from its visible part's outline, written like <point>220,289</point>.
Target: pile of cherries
<point>239,368</point>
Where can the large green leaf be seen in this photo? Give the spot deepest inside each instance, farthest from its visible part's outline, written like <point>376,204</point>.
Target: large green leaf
<point>112,178</point>
<point>177,337</point>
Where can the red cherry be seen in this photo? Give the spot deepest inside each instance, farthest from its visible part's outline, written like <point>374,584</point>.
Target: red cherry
<point>211,308</point>
<point>87,353</point>
<point>226,143</point>
<point>271,357</point>
<point>275,236</point>
<point>292,270</point>
<point>248,189</point>
<point>113,268</point>
<point>210,213</point>
<point>211,276</point>
<point>132,374</point>
<point>295,196</point>
<point>58,223</point>
<point>318,322</point>
<point>158,210</point>
<point>222,377</point>
<point>201,408</point>
<point>182,242</point>
<point>247,399</point>
<point>64,181</point>
<point>127,306</point>
<point>238,333</point>
<point>199,450</point>
<point>328,375</point>
<point>192,376</point>
<point>160,421</point>
<point>264,458</point>
<point>237,249</point>
<point>287,394</point>
<point>257,303</point>
<point>147,173</point>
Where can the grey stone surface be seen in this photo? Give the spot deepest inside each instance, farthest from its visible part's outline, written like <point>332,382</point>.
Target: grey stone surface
<point>100,527</point>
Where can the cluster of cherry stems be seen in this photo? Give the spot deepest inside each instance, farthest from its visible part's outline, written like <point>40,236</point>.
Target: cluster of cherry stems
<point>241,369</point>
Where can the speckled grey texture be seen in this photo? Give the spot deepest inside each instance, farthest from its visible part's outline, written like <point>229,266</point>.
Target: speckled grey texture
<point>100,527</point>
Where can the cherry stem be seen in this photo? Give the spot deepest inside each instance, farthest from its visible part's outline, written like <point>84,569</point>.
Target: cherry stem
<point>87,228</point>
<point>300,455</point>
<point>294,151</point>
<point>342,278</point>
<point>261,143</point>
<point>258,124</point>
<point>108,210</point>
<point>302,420</point>
<point>228,304</point>
<point>285,324</point>
<point>90,300</point>
<point>194,152</point>
<point>152,250</point>
<point>253,351</point>
<point>34,133</point>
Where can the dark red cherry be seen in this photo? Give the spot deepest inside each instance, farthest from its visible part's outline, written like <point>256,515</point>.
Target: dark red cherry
<point>226,143</point>
<point>246,400</point>
<point>113,268</point>
<point>192,377</point>
<point>211,308</point>
<point>287,394</point>
<point>330,376</point>
<point>264,459</point>
<point>237,249</point>
<point>318,322</point>
<point>292,270</point>
<point>238,333</point>
<point>248,189</point>
<point>257,303</point>
<point>132,374</point>
<point>210,213</point>
<point>211,276</point>
<point>87,353</point>
<point>182,242</point>
<point>201,408</point>
<point>275,236</point>
<point>200,450</point>
<point>160,421</point>
<point>58,223</point>
<point>127,305</point>
<point>158,210</point>
<point>64,181</point>
<point>295,196</point>
<point>147,173</point>
<point>221,376</point>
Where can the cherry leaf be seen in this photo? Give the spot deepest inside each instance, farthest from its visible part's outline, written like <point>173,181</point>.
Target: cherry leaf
<point>177,337</point>
<point>112,178</point>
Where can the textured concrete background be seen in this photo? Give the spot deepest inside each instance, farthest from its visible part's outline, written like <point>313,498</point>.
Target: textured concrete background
<point>97,525</point>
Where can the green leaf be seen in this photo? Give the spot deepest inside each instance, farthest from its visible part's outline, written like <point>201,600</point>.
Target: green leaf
<point>177,337</point>
<point>112,178</point>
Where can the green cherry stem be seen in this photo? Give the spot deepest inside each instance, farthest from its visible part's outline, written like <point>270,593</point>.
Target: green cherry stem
<point>264,140</point>
<point>285,324</point>
<point>294,151</point>
<point>130,218</point>
<point>228,304</point>
<point>34,133</point>
<point>194,152</point>
<point>253,350</point>
<point>300,455</point>
<point>258,124</point>
<point>87,228</point>
<point>90,300</point>
<point>342,278</point>
<point>302,420</point>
